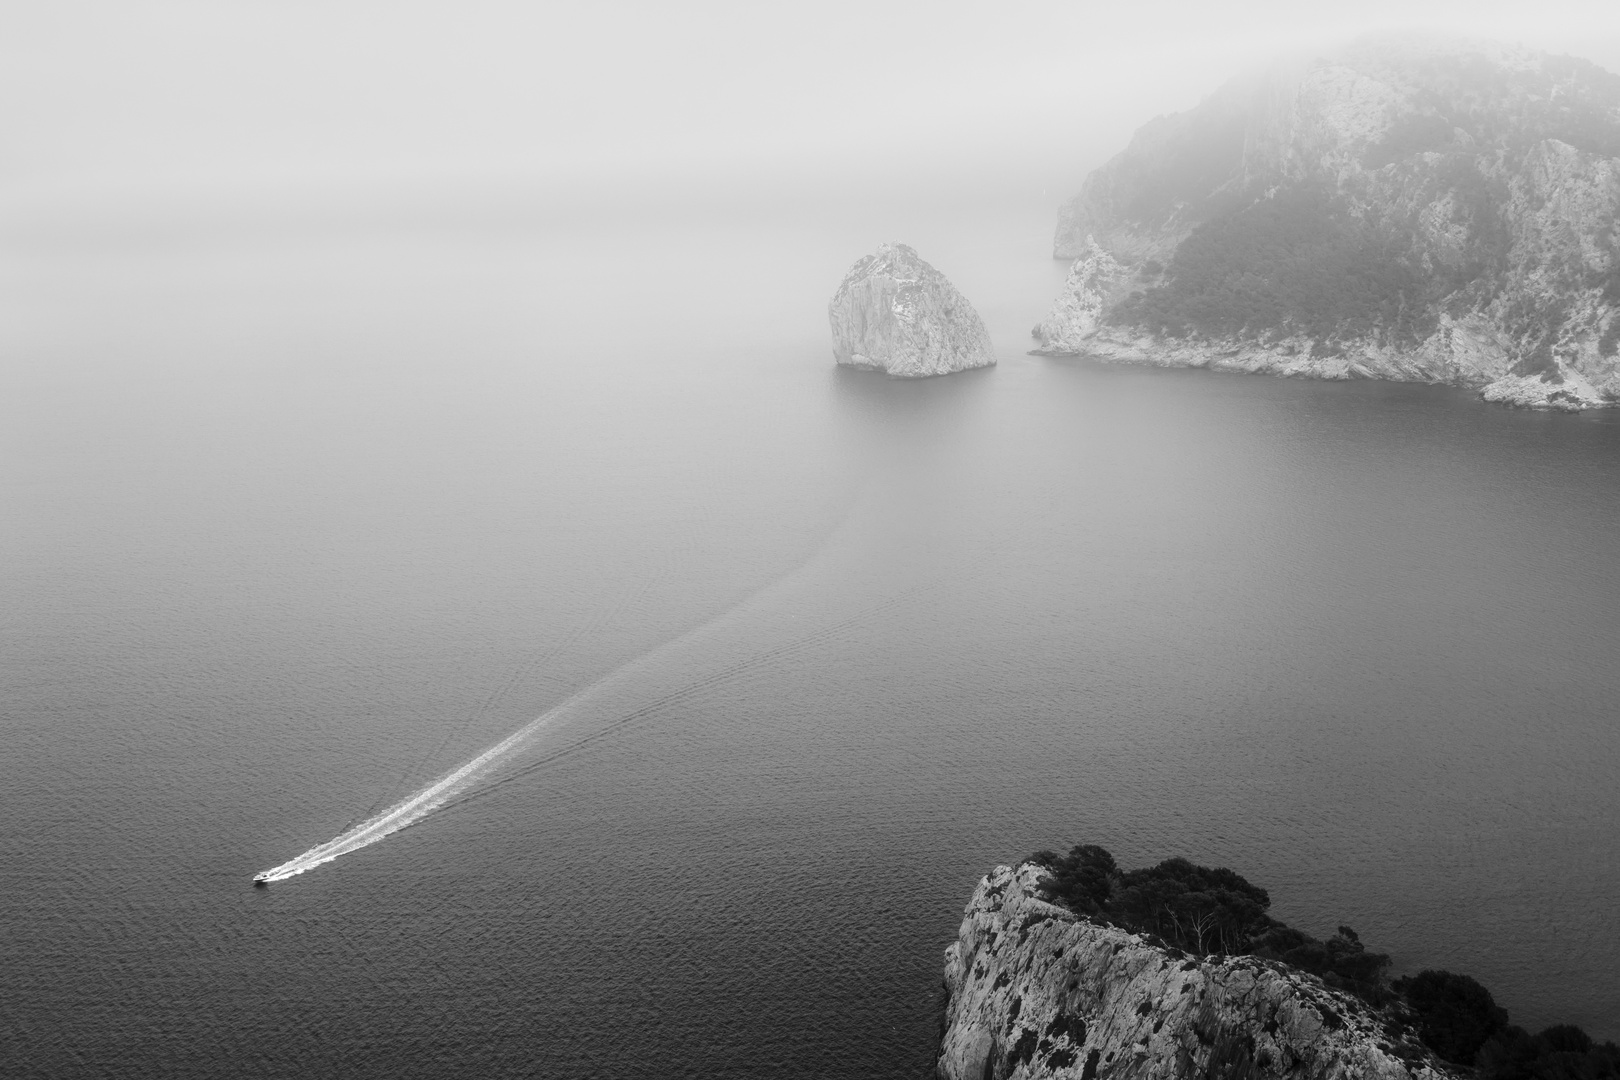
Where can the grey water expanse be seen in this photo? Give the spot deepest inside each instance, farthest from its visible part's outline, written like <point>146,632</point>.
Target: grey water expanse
<point>296,521</point>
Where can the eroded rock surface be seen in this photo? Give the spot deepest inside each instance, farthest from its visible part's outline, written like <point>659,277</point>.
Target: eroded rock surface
<point>1036,991</point>
<point>897,314</point>
<point>1094,281</point>
<point>1426,210</point>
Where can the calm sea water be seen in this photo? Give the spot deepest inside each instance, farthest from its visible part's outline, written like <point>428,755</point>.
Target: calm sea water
<point>293,522</point>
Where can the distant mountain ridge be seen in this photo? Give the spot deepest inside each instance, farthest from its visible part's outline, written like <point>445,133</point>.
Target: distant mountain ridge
<point>1410,208</point>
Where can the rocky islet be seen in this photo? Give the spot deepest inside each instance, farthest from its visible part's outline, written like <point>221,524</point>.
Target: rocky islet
<point>895,313</point>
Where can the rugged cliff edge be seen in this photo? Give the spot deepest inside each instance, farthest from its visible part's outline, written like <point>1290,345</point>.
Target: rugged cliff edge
<point>1036,990</point>
<point>895,313</point>
<point>1423,210</point>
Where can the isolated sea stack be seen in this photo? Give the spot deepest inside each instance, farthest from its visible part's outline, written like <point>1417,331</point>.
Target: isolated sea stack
<point>1426,210</point>
<point>895,313</point>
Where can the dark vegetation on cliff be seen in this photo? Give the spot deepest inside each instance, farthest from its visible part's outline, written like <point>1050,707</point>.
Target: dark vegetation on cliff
<point>1294,263</point>
<point>1205,911</point>
<point>1512,107</point>
<point>1193,165</point>
<point>1269,231</point>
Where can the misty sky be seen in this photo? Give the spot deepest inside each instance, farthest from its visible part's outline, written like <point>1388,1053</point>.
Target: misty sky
<point>113,98</point>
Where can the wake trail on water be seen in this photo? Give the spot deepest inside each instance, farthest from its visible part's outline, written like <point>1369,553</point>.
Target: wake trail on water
<point>491,768</point>
<point>463,782</point>
<point>498,695</point>
<point>412,809</point>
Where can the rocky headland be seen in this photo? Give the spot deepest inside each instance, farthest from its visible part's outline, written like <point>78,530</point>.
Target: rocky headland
<point>1069,967</point>
<point>895,313</point>
<point>1424,210</point>
<point>1036,990</point>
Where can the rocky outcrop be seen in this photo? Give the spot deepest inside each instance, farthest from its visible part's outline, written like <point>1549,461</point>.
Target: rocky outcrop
<point>1095,280</point>
<point>1424,210</point>
<point>1037,991</point>
<point>897,314</point>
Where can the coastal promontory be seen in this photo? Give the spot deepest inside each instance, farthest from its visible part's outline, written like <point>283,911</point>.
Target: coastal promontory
<point>1419,209</point>
<point>1071,967</point>
<point>1037,991</point>
<point>895,313</point>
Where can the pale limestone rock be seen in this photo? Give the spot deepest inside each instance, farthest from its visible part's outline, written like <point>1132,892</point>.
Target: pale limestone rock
<point>897,314</point>
<point>1036,991</point>
<point>1565,266</point>
<point>1461,352</point>
<point>1569,393</point>
<point>1094,280</point>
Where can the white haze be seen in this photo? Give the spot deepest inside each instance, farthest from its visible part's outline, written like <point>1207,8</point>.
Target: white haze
<point>162,119</point>
<point>180,109</point>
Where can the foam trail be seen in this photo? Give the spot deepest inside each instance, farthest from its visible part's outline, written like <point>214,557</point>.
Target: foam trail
<point>476,772</point>
<point>418,806</point>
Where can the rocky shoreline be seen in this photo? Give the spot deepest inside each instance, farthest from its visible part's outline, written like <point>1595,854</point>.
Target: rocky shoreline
<point>1036,991</point>
<point>1414,209</point>
<point>1467,352</point>
<point>1297,357</point>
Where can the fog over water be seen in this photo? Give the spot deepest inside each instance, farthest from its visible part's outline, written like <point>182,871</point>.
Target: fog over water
<point>344,437</point>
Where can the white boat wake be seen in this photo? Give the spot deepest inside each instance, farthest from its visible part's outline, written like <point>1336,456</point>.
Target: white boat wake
<point>416,807</point>
<point>481,772</point>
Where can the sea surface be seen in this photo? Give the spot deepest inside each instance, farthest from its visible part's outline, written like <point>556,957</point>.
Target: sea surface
<point>296,519</point>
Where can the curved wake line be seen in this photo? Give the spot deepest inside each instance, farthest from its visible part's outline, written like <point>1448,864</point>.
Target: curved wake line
<point>418,806</point>
<point>459,784</point>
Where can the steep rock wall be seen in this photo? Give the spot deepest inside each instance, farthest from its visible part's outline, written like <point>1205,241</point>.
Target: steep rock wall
<point>1035,991</point>
<point>895,313</point>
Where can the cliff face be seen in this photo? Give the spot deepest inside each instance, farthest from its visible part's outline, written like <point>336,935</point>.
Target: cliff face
<point>1036,991</point>
<point>1423,210</point>
<point>895,313</point>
